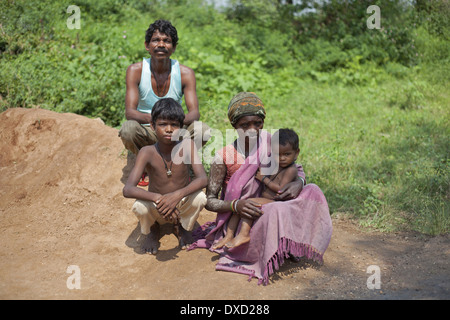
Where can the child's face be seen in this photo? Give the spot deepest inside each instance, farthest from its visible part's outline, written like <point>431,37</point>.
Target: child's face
<point>165,129</point>
<point>286,155</point>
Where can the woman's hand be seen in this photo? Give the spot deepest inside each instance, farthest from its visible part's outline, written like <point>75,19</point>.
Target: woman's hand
<point>248,209</point>
<point>289,191</point>
<point>258,175</point>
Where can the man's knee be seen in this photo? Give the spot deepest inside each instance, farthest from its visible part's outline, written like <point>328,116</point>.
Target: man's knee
<point>134,136</point>
<point>128,129</point>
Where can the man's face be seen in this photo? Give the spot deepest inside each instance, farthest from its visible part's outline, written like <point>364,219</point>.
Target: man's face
<point>160,45</point>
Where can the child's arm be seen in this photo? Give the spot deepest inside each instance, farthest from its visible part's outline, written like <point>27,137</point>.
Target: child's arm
<point>168,202</point>
<point>290,174</point>
<point>131,190</point>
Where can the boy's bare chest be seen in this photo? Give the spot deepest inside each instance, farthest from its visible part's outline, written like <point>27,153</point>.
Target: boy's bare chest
<point>167,177</point>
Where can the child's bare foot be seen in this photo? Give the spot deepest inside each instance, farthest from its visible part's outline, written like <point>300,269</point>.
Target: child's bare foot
<point>151,243</point>
<point>176,230</point>
<point>237,241</point>
<point>222,242</point>
<point>184,237</point>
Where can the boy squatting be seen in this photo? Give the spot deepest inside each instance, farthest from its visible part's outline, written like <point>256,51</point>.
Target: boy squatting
<point>172,196</point>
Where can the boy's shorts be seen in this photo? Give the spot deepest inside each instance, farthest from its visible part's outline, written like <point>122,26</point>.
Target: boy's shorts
<point>189,207</point>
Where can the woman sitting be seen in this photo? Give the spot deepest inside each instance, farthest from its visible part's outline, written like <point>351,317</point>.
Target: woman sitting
<point>299,226</point>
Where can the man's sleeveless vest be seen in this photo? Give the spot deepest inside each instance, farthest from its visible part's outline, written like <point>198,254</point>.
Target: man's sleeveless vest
<point>147,98</point>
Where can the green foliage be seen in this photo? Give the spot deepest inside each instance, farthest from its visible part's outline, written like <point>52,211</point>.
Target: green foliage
<point>370,106</point>
<point>386,165</point>
<point>434,16</point>
<point>343,25</point>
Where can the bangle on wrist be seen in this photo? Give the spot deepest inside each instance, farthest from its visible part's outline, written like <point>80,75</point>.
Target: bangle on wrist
<point>303,180</point>
<point>232,205</point>
<point>235,205</point>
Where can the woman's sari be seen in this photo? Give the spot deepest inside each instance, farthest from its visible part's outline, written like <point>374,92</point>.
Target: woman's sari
<point>300,227</point>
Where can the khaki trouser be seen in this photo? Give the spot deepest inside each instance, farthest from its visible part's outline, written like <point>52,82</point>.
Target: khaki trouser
<point>135,136</point>
<point>189,207</point>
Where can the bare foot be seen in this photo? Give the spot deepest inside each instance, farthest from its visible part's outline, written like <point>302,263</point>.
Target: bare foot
<point>237,241</point>
<point>222,242</point>
<point>177,230</point>
<point>151,243</point>
<point>184,236</point>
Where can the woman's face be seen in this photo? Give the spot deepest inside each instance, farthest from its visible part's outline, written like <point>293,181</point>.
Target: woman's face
<point>248,128</point>
<point>249,123</point>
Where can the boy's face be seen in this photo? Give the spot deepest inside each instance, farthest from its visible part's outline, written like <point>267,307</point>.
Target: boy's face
<point>286,155</point>
<point>165,129</point>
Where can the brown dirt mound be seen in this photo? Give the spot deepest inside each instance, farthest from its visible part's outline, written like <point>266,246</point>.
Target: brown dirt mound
<point>61,204</point>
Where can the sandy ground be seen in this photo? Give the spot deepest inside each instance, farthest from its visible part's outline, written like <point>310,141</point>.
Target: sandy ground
<point>61,205</point>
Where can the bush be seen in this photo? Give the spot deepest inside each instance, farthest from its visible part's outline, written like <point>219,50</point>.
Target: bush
<point>370,106</point>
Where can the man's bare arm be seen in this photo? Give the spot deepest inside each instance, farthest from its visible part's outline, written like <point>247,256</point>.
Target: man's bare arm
<point>133,79</point>
<point>188,82</point>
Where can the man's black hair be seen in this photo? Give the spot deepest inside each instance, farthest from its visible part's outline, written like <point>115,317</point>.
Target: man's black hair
<point>168,109</point>
<point>287,136</point>
<point>162,26</point>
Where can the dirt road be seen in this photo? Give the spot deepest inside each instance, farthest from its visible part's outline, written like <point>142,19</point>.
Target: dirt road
<point>61,205</point>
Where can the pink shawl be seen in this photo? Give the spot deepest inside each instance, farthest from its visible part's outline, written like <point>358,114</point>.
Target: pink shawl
<point>300,227</point>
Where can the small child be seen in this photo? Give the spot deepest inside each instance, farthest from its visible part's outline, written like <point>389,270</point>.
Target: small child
<point>288,151</point>
<point>172,197</point>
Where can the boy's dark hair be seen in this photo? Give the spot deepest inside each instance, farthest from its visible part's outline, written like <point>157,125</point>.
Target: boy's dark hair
<point>162,26</point>
<point>167,109</point>
<point>287,136</point>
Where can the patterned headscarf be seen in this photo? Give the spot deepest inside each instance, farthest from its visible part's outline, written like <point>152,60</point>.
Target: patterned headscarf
<point>245,104</point>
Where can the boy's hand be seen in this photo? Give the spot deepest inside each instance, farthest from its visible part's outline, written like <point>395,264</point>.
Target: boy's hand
<point>167,203</point>
<point>157,196</point>
<point>173,216</point>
